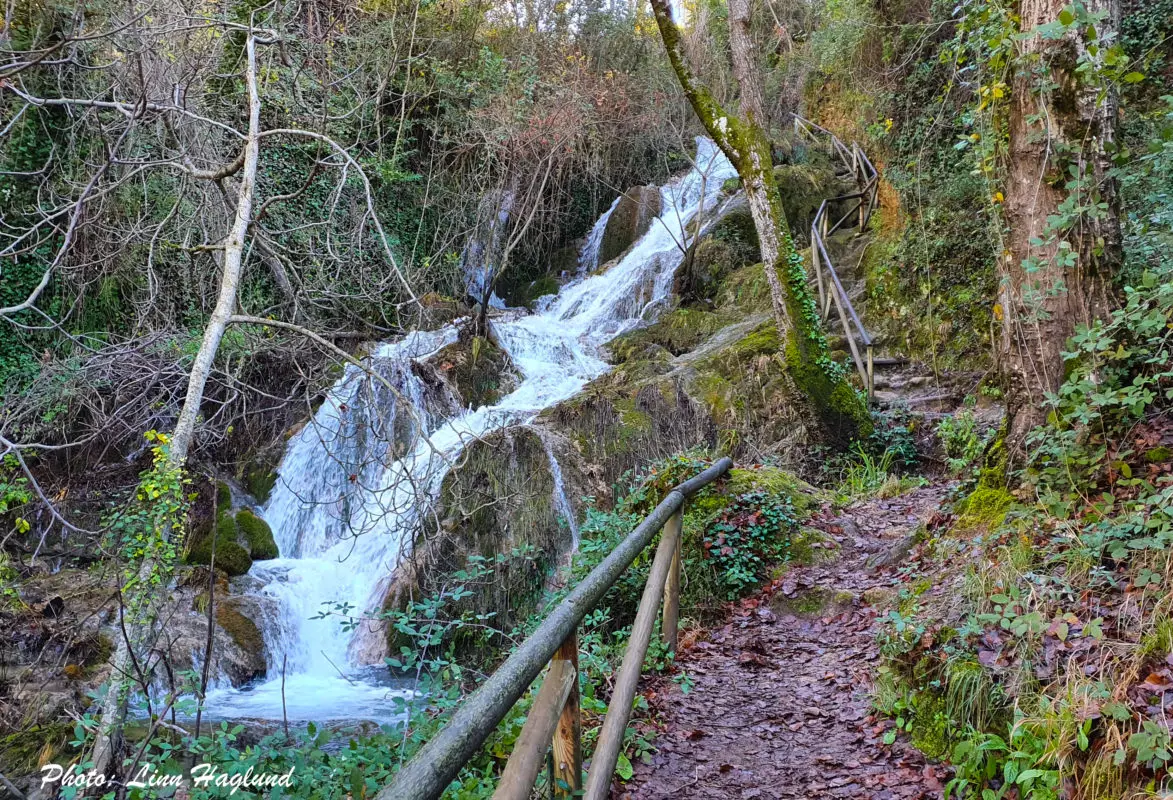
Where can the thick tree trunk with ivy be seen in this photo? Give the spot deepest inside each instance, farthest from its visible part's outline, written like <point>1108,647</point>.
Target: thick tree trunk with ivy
<point>819,381</point>
<point>1061,206</point>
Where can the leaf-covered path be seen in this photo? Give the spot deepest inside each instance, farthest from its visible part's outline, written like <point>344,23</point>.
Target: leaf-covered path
<point>780,705</point>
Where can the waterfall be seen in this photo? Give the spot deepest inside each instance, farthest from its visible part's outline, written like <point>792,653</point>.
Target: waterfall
<point>355,482</point>
<point>588,257</point>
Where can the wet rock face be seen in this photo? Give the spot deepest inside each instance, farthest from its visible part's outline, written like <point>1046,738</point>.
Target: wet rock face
<point>629,221</point>
<point>501,505</point>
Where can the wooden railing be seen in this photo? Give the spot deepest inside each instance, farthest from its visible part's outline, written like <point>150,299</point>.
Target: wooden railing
<point>830,287</point>
<point>554,722</point>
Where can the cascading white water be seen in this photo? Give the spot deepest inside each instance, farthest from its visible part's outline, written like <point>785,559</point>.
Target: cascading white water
<point>355,481</point>
<point>588,257</point>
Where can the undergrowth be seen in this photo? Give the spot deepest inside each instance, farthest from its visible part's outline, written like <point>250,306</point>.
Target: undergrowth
<point>735,532</point>
<point>1040,664</point>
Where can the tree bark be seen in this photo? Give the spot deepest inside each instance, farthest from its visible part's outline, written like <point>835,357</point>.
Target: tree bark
<point>745,63</point>
<point>1059,122</point>
<point>138,639</point>
<point>836,406</point>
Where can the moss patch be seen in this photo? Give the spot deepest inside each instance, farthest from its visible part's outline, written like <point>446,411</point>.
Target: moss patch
<point>259,481</point>
<point>24,752</point>
<point>985,507</point>
<point>242,630</point>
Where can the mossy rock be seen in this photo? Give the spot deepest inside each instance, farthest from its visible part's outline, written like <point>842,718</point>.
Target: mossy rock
<point>699,276</point>
<point>233,558</point>
<point>496,506</point>
<point>678,332</point>
<point>777,481</point>
<point>231,555</point>
<point>547,284</point>
<point>257,534</point>
<point>745,289</point>
<point>478,371</point>
<point>815,602</point>
<point>804,187</point>
<point>223,495</point>
<point>242,630</point>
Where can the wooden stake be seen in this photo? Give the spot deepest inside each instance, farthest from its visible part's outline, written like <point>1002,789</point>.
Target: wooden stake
<point>670,623</point>
<point>567,743</point>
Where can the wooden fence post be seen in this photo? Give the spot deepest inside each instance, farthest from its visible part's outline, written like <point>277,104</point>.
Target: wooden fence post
<point>871,374</point>
<point>671,619</point>
<point>567,744</point>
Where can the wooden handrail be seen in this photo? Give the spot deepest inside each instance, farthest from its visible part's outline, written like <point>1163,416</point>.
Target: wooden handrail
<point>436,765</point>
<point>830,288</point>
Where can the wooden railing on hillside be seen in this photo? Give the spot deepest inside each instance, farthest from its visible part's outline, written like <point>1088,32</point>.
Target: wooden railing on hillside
<point>554,721</point>
<point>830,287</point>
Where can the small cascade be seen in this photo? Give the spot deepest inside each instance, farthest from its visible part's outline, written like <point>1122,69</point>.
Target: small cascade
<point>588,257</point>
<point>480,257</point>
<point>560,499</point>
<point>356,480</point>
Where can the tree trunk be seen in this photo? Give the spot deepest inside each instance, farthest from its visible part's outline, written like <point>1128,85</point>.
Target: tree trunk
<point>138,640</point>
<point>819,382</point>
<point>1056,273</point>
<point>745,64</point>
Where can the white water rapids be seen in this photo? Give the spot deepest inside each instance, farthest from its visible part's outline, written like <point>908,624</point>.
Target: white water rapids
<point>354,482</point>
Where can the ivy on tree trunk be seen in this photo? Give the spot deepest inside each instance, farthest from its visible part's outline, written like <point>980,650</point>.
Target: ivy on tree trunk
<point>820,382</point>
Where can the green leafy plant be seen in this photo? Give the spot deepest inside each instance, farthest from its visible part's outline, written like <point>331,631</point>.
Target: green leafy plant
<point>962,440</point>
<point>746,538</point>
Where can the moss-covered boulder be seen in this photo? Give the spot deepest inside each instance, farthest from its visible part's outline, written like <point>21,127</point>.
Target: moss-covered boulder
<point>622,421</point>
<point>240,536</point>
<point>803,188</point>
<point>731,244</point>
<point>257,535</point>
<point>630,220</point>
<point>476,369</point>
<point>248,662</point>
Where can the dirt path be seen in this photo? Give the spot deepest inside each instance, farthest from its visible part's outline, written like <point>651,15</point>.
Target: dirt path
<point>780,704</point>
